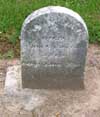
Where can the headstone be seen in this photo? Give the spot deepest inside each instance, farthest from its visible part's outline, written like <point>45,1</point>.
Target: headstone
<point>53,48</point>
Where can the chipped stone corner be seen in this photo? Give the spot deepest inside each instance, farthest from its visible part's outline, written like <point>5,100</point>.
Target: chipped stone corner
<point>13,80</point>
<point>28,98</point>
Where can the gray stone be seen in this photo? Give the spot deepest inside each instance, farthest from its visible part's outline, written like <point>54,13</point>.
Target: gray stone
<point>18,97</point>
<point>53,48</point>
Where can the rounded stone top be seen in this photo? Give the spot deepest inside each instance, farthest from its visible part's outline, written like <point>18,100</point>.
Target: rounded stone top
<point>50,32</point>
<point>54,9</point>
<point>53,47</point>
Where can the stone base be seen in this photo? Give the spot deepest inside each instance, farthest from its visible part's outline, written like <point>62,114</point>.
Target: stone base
<point>30,99</point>
<point>47,102</point>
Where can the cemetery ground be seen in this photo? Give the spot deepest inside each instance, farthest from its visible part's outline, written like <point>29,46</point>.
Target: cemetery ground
<point>82,103</point>
<point>73,103</point>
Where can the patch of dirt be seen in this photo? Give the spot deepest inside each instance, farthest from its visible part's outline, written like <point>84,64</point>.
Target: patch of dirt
<point>6,46</point>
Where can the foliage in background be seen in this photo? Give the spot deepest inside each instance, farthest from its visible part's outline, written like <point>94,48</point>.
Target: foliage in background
<point>13,13</point>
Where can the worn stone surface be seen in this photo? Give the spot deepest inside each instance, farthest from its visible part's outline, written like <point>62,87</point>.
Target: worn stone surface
<point>30,99</point>
<point>53,48</point>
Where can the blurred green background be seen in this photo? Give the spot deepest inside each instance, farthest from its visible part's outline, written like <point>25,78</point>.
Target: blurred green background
<point>13,13</point>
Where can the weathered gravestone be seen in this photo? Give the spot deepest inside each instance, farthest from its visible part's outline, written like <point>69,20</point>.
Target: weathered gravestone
<point>53,48</point>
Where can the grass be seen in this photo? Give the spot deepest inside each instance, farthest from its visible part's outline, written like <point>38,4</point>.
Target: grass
<point>13,13</point>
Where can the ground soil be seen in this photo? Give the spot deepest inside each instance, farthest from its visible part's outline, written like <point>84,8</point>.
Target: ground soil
<point>6,45</point>
<point>90,97</point>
